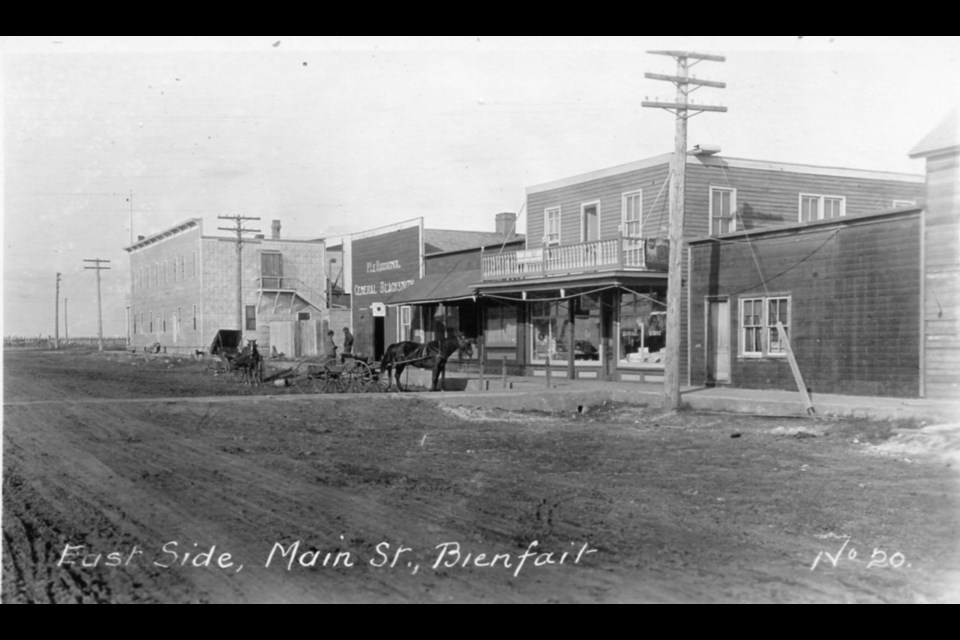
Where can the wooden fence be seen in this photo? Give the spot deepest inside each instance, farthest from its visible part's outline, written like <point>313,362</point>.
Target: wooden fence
<point>109,344</point>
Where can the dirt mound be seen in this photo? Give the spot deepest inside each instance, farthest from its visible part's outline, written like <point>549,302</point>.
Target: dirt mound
<point>941,441</point>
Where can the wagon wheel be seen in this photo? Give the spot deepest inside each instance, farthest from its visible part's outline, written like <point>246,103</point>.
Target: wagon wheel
<point>335,379</point>
<point>358,376</point>
<point>317,377</point>
<point>379,382</point>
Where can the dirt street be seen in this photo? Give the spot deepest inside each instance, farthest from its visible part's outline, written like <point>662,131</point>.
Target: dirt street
<point>112,493</point>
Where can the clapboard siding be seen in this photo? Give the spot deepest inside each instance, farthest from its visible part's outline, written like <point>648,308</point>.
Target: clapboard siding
<point>854,301</point>
<point>609,192</point>
<point>771,198</point>
<point>941,307</point>
<point>765,198</point>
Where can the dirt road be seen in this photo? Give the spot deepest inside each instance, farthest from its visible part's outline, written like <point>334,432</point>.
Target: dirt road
<point>388,499</point>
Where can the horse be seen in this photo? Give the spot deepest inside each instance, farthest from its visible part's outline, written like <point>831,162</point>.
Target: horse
<point>250,364</point>
<point>433,355</point>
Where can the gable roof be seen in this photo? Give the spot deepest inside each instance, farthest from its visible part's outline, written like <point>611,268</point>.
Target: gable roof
<point>943,139</point>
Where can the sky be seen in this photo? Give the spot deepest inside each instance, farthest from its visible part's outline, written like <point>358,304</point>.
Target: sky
<point>335,135</point>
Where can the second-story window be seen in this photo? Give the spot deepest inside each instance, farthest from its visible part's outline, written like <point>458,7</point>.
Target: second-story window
<point>633,214</point>
<point>816,207</point>
<point>551,226</point>
<point>723,209</point>
<point>271,269</point>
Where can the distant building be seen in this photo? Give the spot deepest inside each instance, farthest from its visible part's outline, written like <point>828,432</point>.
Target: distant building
<point>184,290</point>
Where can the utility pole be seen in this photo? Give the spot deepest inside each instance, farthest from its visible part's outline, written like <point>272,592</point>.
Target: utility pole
<point>240,231</point>
<point>56,317</point>
<point>98,269</point>
<point>66,325</point>
<point>684,110</point>
<point>130,200</point>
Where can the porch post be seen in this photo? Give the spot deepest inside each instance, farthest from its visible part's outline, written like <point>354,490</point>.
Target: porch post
<point>571,342</point>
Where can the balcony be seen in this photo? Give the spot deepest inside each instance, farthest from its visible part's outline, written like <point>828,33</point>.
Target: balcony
<point>621,254</point>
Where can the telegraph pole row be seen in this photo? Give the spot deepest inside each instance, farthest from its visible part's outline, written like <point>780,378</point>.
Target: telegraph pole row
<point>683,109</point>
<point>98,269</point>
<point>240,231</point>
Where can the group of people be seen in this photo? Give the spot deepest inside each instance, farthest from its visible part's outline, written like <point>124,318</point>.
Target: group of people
<point>330,347</point>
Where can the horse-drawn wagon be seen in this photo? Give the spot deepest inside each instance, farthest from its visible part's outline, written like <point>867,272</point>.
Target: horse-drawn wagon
<point>352,374</point>
<point>245,363</point>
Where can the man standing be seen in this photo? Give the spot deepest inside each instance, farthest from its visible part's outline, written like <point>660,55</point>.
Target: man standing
<point>330,347</point>
<point>347,342</point>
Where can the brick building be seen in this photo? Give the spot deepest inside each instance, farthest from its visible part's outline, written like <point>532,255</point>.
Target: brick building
<point>183,290</point>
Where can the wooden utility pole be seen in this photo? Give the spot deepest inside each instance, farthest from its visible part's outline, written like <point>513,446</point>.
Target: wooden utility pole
<point>56,316</point>
<point>684,110</point>
<point>240,231</point>
<point>98,268</point>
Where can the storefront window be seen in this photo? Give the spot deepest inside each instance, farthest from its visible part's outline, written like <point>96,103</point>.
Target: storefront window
<point>643,330</point>
<point>550,335</point>
<point>587,330</point>
<point>501,327</point>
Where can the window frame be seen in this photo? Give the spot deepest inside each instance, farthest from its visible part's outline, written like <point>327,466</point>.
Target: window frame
<point>547,236</point>
<point>821,206</point>
<point>733,209</point>
<point>583,221</point>
<point>405,322</point>
<point>625,223</point>
<point>765,327</point>
<point>247,318</point>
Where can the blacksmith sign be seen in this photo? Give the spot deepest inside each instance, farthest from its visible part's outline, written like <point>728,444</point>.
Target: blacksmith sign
<point>385,261</point>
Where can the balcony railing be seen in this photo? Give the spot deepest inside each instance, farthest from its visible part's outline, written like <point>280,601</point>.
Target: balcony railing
<point>630,254</point>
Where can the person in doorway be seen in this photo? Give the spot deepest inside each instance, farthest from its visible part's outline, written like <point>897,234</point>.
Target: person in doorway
<point>329,346</point>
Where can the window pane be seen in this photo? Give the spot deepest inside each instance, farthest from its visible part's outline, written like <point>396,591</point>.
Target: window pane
<point>587,330</point>
<point>775,344</point>
<point>833,208</point>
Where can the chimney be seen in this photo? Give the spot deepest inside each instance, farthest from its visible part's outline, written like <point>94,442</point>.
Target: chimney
<point>276,230</point>
<point>507,225</point>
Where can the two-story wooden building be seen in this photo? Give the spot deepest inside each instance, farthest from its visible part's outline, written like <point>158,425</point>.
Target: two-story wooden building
<point>587,294</point>
<point>184,290</point>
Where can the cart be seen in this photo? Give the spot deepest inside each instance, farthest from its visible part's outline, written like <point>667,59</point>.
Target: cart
<point>354,374</point>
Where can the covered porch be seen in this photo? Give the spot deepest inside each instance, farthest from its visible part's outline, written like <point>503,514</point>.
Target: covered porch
<point>609,327</point>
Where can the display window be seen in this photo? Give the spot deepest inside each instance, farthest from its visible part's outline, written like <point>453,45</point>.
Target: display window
<point>643,330</point>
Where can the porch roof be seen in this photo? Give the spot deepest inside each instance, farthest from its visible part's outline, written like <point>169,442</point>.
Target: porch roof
<point>439,287</point>
<point>582,281</point>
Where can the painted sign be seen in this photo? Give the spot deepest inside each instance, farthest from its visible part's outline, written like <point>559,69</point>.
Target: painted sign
<point>385,262</point>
